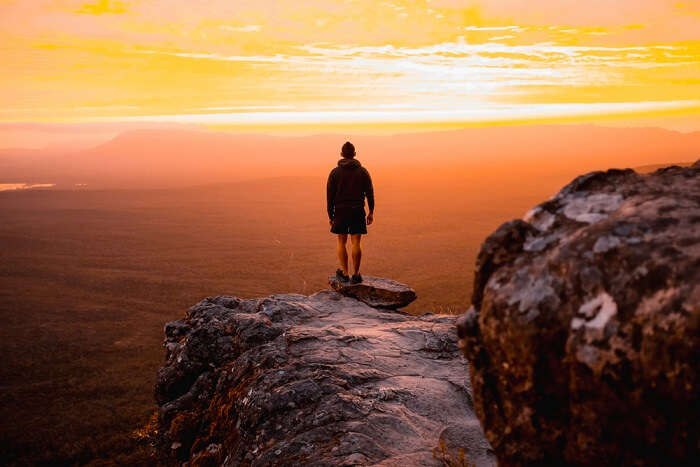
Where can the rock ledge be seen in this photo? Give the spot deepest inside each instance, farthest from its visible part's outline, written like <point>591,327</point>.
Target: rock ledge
<point>320,380</point>
<point>377,292</point>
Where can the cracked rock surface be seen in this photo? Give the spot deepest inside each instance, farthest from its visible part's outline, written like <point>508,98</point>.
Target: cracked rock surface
<point>322,379</point>
<point>583,337</point>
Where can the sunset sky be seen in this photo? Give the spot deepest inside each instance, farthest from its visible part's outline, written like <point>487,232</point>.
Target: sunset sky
<point>267,64</point>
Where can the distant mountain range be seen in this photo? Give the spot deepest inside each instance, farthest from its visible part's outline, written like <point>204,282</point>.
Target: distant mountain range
<point>173,157</point>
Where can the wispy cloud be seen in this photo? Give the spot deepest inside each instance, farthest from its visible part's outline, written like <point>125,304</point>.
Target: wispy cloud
<point>101,7</point>
<point>277,58</point>
<point>221,56</point>
<point>24,186</point>
<point>245,28</point>
<point>453,72</point>
<point>245,107</point>
<point>475,113</point>
<point>494,28</point>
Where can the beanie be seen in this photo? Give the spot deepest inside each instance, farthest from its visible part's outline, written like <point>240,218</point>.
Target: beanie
<point>348,149</point>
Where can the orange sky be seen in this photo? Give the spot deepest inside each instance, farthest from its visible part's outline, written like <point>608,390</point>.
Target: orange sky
<point>356,63</point>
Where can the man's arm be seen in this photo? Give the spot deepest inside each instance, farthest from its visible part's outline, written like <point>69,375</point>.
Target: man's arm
<point>330,195</point>
<point>369,192</point>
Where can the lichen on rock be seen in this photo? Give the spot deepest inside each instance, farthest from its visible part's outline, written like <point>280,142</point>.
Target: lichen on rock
<point>583,335</point>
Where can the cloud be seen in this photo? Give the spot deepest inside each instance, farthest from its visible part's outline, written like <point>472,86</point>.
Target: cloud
<point>484,66</point>
<point>246,28</point>
<point>219,57</point>
<point>688,7</point>
<point>101,7</point>
<point>174,56</point>
<point>24,186</point>
<point>471,113</point>
<point>494,28</point>
<point>453,73</point>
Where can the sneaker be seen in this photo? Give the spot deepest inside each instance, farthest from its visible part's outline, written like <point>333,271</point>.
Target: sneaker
<point>340,276</point>
<point>356,279</point>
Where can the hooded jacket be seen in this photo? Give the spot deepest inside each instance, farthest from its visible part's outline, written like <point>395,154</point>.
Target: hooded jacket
<point>348,185</point>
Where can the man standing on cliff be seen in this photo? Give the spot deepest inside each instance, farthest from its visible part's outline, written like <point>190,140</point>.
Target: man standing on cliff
<point>348,185</point>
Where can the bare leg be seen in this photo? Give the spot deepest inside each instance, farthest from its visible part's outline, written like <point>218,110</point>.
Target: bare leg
<point>343,253</point>
<point>356,252</point>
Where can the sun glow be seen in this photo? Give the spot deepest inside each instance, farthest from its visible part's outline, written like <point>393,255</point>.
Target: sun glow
<point>307,62</point>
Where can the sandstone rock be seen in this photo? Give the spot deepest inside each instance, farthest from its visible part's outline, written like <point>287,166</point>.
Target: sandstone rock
<point>320,380</point>
<point>377,292</point>
<point>583,334</point>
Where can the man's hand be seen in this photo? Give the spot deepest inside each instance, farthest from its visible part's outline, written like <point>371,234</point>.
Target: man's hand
<point>370,218</point>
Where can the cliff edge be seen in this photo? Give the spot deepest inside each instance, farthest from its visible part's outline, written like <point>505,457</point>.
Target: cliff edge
<point>323,379</point>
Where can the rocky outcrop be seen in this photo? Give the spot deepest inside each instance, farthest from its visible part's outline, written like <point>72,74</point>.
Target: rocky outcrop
<point>322,379</point>
<point>377,292</point>
<point>583,334</point>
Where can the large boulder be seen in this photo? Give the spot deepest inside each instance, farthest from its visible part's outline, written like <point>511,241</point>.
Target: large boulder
<point>377,292</point>
<point>321,380</point>
<point>583,334</point>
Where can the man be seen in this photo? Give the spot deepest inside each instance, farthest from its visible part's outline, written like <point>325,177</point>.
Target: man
<point>348,185</point>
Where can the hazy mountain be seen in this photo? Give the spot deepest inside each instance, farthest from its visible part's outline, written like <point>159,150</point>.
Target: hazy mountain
<point>172,157</point>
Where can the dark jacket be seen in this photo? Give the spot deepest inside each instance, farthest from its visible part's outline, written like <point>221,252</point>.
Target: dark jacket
<point>348,185</point>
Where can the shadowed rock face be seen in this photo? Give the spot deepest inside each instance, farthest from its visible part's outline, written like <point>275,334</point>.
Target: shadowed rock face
<point>322,380</point>
<point>583,334</point>
<point>377,292</point>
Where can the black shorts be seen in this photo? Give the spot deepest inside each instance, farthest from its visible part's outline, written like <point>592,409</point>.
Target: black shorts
<point>349,220</point>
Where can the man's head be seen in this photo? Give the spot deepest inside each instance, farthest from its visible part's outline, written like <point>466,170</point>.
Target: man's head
<point>348,150</point>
